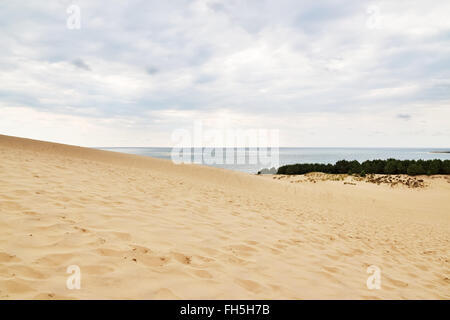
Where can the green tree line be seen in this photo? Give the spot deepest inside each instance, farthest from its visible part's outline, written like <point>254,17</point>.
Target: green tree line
<point>389,166</point>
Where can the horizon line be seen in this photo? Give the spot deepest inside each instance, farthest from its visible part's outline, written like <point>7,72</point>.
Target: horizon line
<point>196,147</point>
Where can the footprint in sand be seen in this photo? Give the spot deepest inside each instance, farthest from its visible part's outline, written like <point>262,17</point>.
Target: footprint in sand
<point>202,274</point>
<point>164,294</point>
<point>249,285</point>
<point>7,258</point>
<point>153,261</point>
<point>182,258</point>
<point>16,286</point>
<point>27,272</point>
<point>397,283</point>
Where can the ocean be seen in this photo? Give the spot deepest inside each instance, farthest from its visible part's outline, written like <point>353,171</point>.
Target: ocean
<point>297,155</point>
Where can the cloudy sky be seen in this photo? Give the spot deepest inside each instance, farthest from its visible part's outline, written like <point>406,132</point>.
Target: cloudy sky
<point>324,73</point>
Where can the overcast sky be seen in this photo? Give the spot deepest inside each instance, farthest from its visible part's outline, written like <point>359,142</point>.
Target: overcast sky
<point>325,73</point>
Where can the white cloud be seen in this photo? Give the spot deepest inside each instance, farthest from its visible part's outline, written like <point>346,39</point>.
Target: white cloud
<point>310,69</point>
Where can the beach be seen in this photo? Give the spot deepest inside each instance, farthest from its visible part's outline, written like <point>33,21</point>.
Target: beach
<point>145,228</point>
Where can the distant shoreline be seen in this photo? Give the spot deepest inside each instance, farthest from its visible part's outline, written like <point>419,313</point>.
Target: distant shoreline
<point>439,151</point>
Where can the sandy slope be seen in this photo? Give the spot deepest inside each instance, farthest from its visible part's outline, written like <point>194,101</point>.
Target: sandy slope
<point>145,228</point>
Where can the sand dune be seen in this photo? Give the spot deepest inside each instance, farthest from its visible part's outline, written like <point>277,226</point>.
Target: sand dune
<point>144,228</point>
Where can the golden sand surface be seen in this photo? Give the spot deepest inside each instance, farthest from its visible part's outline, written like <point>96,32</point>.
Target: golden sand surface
<point>145,228</point>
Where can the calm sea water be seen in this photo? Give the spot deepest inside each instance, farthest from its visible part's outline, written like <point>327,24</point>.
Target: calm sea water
<point>304,155</point>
